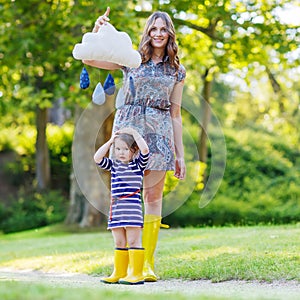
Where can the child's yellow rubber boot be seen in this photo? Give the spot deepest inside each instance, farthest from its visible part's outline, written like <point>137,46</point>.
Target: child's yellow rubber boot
<point>136,262</point>
<point>120,266</point>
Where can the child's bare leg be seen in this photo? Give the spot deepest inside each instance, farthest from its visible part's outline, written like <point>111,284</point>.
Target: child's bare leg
<point>133,235</point>
<point>121,256</point>
<point>119,235</point>
<point>136,257</point>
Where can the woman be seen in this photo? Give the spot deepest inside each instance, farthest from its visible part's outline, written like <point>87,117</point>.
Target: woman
<point>153,94</point>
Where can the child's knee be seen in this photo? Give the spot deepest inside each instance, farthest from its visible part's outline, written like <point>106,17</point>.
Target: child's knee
<point>134,243</point>
<point>119,237</point>
<point>120,244</point>
<point>134,239</point>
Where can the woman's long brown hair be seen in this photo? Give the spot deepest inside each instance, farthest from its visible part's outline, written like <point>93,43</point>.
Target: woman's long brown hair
<point>145,47</point>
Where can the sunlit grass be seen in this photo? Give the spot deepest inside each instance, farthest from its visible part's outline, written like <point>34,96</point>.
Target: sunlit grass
<point>47,250</point>
<point>244,253</point>
<point>25,291</point>
<point>74,262</point>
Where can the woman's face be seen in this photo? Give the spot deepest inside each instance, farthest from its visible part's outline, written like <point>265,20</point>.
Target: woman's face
<point>159,34</point>
<point>122,151</point>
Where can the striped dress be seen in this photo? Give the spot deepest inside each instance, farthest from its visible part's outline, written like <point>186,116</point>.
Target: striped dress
<point>126,182</point>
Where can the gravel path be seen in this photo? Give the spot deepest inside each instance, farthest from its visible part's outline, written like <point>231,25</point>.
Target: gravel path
<point>281,290</point>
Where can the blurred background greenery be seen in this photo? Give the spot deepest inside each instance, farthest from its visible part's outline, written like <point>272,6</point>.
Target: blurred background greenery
<point>241,57</point>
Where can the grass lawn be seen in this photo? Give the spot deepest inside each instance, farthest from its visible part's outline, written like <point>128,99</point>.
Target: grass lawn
<point>19,290</point>
<point>263,253</point>
<point>244,253</point>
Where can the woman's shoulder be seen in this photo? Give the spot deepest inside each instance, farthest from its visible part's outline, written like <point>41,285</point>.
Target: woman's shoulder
<point>182,69</point>
<point>181,74</point>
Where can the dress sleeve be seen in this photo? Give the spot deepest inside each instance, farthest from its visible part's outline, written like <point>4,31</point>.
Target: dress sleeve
<point>142,160</point>
<point>105,163</point>
<point>181,73</point>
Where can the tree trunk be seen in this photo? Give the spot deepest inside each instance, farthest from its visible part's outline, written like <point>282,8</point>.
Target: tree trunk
<point>206,111</point>
<point>81,211</point>
<point>89,196</point>
<point>77,201</point>
<point>42,151</point>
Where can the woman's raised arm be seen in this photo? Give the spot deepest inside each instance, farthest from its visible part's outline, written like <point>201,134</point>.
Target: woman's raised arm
<point>101,21</point>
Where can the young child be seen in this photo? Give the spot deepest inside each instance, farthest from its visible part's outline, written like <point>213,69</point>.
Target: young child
<point>126,216</point>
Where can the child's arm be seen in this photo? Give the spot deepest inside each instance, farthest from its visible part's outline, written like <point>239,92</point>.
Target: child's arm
<point>101,152</point>
<point>138,139</point>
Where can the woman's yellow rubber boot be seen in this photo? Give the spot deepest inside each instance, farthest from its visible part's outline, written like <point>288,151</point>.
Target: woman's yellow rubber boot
<point>136,263</point>
<point>120,266</point>
<point>150,237</point>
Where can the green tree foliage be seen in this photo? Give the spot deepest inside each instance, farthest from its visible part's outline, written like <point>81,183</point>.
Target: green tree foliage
<point>242,47</point>
<point>37,63</point>
<point>260,185</point>
<point>221,36</point>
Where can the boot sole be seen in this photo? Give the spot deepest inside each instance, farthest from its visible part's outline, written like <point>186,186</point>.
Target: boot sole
<point>131,283</point>
<point>108,282</point>
<point>150,280</point>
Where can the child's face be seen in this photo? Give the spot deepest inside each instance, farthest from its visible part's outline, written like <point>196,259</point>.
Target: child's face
<point>122,151</point>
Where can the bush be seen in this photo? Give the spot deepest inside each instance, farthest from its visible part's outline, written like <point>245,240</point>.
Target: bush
<point>21,172</point>
<point>261,184</point>
<point>60,147</point>
<point>33,210</point>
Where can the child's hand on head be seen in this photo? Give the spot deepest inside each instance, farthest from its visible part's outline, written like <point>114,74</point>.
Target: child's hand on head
<point>114,136</point>
<point>127,130</point>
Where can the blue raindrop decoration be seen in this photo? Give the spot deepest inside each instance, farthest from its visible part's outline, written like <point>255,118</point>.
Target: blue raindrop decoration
<point>131,86</point>
<point>98,96</point>
<point>84,79</point>
<point>120,99</point>
<point>109,85</point>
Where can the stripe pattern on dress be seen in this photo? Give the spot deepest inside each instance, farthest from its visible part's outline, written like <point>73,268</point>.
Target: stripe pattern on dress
<point>126,182</point>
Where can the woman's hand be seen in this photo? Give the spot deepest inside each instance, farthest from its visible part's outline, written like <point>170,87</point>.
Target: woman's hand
<point>180,168</point>
<point>102,20</point>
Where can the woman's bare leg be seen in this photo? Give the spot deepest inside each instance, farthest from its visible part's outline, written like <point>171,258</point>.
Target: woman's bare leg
<point>153,191</point>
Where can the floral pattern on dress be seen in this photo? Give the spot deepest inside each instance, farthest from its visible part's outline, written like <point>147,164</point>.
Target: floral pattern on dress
<point>147,91</point>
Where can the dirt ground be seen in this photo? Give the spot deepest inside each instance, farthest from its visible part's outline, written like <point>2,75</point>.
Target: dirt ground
<point>281,290</point>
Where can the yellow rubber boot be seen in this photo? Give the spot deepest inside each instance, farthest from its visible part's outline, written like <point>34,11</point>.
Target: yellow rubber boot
<point>136,263</point>
<point>120,266</point>
<point>150,236</point>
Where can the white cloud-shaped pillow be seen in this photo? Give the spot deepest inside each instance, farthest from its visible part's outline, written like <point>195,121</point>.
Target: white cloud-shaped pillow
<point>109,45</point>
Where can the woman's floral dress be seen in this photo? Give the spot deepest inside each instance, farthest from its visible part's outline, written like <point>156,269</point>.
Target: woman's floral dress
<point>147,90</point>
